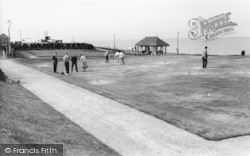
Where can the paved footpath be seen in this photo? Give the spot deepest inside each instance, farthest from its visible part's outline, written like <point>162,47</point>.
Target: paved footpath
<point>124,129</point>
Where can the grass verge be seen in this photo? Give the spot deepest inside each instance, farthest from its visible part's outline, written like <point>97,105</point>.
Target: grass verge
<point>25,119</point>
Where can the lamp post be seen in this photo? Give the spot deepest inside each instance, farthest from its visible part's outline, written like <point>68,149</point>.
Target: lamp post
<point>177,49</point>
<point>114,41</point>
<point>9,21</point>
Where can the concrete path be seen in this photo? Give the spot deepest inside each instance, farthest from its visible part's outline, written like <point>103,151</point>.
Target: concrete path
<point>126,130</point>
<point>28,55</point>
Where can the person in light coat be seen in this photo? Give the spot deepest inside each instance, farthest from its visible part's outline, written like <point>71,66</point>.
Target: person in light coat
<point>122,57</point>
<point>83,61</point>
<point>66,63</point>
<point>117,56</point>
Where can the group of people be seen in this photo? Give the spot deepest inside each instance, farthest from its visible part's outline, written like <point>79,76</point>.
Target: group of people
<point>66,60</point>
<point>83,60</point>
<point>119,55</point>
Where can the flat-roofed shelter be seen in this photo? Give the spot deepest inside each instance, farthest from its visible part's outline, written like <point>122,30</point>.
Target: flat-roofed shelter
<point>152,45</point>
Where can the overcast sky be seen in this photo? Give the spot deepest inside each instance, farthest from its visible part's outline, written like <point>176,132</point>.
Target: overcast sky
<point>93,20</point>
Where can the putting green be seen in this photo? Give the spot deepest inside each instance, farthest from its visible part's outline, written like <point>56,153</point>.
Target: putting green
<point>213,103</point>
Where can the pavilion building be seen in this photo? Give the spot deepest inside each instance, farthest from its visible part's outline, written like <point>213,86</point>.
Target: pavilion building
<point>154,45</point>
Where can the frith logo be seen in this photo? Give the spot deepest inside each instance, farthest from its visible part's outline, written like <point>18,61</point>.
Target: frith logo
<point>211,27</point>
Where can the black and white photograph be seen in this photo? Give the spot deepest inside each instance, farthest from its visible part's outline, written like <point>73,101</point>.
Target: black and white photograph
<point>124,78</point>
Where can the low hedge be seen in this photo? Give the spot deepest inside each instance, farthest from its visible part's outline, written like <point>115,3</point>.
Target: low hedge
<point>3,77</point>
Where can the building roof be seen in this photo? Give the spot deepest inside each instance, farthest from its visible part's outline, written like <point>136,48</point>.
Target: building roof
<point>4,38</point>
<point>152,41</point>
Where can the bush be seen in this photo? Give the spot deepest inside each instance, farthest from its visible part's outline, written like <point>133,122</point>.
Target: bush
<point>3,77</point>
<point>51,46</point>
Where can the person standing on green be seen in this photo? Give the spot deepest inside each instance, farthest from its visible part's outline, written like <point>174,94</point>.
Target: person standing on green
<point>74,63</point>
<point>54,57</point>
<point>106,54</point>
<point>66,63</point>
<point>122,57</point>
<point>117,56</point>
<point>83,62</point>
<point>204,58</point>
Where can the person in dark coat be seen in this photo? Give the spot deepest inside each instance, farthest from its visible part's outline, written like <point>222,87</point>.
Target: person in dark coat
<point>74,63</point>
<point>106,54</point>
<point>243,53</point>
<point>204,58</point>
<point>54,57</point>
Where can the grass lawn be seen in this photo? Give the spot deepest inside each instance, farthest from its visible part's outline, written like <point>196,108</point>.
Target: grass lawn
<point>25,119</point>
<point>213,103</point>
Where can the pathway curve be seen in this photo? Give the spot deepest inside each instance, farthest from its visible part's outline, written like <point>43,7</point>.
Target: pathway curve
<point>124,129</point>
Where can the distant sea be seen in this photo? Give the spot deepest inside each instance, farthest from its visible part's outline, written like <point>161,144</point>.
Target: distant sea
<point>218,46</point>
